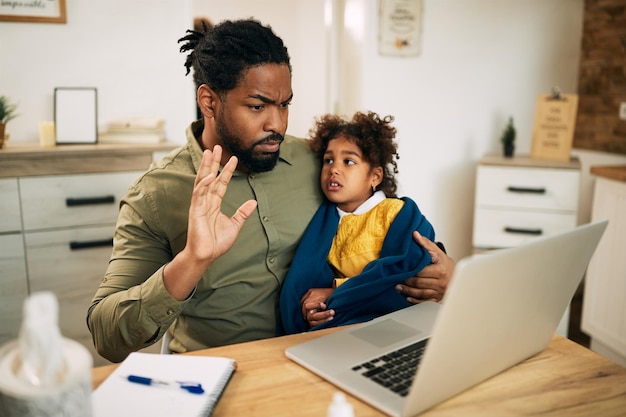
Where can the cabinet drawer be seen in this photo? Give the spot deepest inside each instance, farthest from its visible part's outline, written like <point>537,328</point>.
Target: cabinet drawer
<point>10,220</point>
<point>13,285</point>
<point>507,228</point>
<point>73,200</point>
<point>533,188</point>
<point>72,274</point>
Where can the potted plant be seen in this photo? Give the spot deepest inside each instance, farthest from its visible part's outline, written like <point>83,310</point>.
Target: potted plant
<point>508,139</point>
<point>7,112</point>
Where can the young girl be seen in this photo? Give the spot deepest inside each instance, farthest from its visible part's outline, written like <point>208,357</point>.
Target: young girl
<point>359,244</point>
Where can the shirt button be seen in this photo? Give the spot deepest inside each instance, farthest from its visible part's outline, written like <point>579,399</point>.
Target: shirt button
<point>271,260</point>
<point>265,218</point>
<point>170,312</point>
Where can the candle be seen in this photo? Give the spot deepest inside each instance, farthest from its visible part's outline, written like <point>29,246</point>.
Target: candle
<point>46,134</point>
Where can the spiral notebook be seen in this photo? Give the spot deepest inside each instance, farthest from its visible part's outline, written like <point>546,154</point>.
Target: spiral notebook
<point>164,385</point>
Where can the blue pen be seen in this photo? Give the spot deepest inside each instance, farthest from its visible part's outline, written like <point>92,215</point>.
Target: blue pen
<point>192,387</point>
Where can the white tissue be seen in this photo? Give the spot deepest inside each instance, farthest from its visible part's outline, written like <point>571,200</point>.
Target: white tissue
<point>42,373</point>
<point>40,341</point>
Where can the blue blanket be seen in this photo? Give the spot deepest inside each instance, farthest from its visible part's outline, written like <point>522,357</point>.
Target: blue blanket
<point>365,296</point>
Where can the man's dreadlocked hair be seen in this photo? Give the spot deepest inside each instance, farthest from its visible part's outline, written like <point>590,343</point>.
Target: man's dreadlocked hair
<point>219,55</point>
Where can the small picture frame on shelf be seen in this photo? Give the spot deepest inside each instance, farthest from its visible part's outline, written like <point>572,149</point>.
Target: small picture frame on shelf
<point>76,115</point>
<point>555,121</point>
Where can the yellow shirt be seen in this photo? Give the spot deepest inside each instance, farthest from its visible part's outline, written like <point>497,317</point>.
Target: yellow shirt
<point>359,239</point>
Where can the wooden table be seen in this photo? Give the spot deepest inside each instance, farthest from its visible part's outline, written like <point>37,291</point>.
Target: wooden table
<point>566,379</point>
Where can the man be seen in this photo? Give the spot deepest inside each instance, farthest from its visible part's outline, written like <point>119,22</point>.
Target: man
<point>201,252</point>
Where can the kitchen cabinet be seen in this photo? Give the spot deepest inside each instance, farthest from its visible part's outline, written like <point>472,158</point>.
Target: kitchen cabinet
<point>59,207</point>
<point>519,199</point>
<point>604,299</point>
<point>13,283</point>
<point>10,220</point>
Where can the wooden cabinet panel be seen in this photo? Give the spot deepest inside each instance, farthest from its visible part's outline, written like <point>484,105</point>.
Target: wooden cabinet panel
<point>604,305</point>
<point>58,208</point>
<point>13,285</point>
<point>10,220</point>
<point>72,200</point>
<point>73,274</point>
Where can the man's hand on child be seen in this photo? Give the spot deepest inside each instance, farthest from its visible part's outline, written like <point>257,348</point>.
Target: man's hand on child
<point>431,283</point>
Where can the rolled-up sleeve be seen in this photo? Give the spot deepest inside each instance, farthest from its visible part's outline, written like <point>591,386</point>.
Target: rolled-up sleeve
<point>236,299</point>
<point>132,309</point>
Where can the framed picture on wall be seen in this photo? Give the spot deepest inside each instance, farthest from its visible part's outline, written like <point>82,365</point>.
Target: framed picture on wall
<point>76,115</point>
<point>399,27</point>
<point>43,11</point>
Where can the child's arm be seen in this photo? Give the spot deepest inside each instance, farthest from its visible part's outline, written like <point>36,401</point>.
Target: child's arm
<point>314,307</point>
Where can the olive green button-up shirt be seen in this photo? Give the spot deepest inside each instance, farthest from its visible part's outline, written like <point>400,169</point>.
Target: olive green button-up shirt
<point>236,299</point>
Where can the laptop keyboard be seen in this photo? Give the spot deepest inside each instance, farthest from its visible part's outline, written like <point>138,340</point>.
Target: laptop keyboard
<point>394,370</point>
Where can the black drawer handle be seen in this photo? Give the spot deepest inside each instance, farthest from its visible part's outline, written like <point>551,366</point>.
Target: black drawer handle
<point>91,244</point>
<point>73,202</point>
<point>536,232</point>
<point>514,189</point>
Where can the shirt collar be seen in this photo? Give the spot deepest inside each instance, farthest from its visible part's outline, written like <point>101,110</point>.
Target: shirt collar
<point>366,206</point>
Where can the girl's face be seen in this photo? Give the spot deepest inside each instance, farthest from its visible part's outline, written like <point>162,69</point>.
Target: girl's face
<point>346,178</point>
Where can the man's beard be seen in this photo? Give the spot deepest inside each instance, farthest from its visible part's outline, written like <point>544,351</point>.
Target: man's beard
<point>259,162</point>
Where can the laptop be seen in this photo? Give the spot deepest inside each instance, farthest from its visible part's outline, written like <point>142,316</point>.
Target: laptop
<point>500,308</point>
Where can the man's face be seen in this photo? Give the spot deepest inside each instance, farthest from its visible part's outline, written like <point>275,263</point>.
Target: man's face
<point>252,119</point>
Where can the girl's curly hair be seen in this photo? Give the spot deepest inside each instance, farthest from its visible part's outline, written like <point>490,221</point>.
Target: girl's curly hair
<point>371,133</point>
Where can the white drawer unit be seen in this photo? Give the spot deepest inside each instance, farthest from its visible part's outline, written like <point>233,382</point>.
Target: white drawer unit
<point>58,208</point>
<point>519,199</point>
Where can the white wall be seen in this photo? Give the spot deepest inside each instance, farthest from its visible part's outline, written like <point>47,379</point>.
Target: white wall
<point>126,49</point>
<point>300,23</point>
<point>481,61</point>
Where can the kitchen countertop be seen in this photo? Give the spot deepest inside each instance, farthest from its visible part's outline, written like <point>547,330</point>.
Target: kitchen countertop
<point>613,172</point>
<point>19,159</point>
